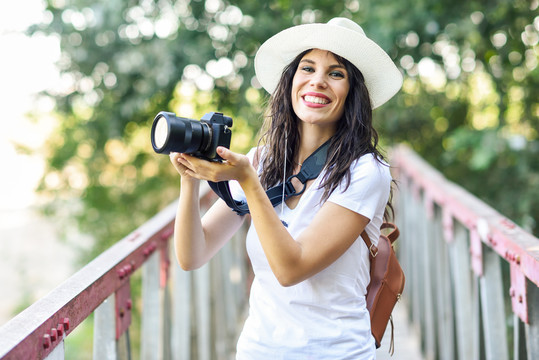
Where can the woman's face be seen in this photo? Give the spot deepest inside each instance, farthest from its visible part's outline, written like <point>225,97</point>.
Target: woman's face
<point>319,89</point>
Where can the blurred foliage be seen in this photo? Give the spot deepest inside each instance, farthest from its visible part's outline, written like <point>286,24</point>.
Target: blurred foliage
<point>468,104</point>
<point>79,344</point>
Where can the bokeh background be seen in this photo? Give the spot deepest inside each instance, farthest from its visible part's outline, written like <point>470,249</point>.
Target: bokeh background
<point>80,83</point>
<point>33,257</point>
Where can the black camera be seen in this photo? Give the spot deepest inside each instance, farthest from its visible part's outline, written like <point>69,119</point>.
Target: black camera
<point>198,138</point>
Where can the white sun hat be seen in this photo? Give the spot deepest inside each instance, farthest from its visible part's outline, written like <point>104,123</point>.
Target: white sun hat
<point>341,36</point>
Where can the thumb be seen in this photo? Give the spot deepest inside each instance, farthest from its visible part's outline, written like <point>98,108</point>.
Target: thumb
<point>226,154</point>
<point>231,157</point>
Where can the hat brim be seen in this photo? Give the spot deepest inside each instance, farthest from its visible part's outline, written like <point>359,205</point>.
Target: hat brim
<point>382,78</point>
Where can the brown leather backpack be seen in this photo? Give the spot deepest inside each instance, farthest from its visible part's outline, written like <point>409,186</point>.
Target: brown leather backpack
<point>387,282</point>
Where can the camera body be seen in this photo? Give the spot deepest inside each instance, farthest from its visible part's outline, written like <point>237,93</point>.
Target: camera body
<point>171,133</point>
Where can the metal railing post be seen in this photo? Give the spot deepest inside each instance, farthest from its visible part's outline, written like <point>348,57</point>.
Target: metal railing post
<point>58,353</point>
<point>444,305</point>
<point>493,308</point>
<point>104,345</point>
<point>462,290</point>
<point>532,328</point>
<point>203,311</point>
<point>167,324</point>
<point>181,308</point>
<point>151,310</point>
<point>430,284</point>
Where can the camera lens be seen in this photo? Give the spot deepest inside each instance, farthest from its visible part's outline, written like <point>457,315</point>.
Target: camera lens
<point>161,132</point>
<point>174,134</point>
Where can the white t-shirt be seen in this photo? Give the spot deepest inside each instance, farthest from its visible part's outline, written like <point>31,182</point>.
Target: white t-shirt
<point>325,316</point>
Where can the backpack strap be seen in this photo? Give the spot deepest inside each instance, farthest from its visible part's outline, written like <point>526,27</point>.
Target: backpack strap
<point>394,234</point>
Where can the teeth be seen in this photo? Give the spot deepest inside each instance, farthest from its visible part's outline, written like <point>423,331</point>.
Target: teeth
<point>316,100</point>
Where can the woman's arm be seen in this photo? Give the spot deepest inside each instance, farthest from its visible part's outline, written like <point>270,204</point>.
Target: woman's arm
<point>197,240</point>
<point>331,233</point>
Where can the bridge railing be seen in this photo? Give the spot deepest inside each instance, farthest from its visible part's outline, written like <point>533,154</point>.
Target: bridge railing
<point>183,315</point>
<point>472,274</point>
<point>472,286</point>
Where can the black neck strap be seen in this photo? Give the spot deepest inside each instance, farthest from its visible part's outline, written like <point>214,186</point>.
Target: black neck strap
<point>310,169</point>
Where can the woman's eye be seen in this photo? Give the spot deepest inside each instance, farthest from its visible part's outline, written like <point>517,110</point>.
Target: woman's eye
<point>307,68</point>
<point>337,74</point>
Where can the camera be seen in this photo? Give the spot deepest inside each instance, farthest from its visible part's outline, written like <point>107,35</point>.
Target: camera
<point>171,133</point>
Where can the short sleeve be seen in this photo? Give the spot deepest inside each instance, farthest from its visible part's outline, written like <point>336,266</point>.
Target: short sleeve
<point>369,188</point>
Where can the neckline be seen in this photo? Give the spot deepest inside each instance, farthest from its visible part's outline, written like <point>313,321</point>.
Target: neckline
<point>307,190</point>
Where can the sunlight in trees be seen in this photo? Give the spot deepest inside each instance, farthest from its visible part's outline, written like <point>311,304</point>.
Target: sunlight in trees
<point>468,103</point>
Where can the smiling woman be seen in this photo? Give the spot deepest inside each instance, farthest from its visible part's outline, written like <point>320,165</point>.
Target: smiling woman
<point>311,271</point>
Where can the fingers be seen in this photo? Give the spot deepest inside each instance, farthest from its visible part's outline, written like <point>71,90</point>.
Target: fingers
<point>173,156</point>
<point>180,164</point>
<point>174,160</point>
<point>233,166</point>
<point>192,166</point>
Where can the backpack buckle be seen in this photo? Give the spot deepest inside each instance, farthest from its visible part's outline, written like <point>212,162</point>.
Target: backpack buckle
<point>374,250</point>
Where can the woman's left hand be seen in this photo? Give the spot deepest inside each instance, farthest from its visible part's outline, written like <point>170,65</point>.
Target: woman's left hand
<point>234,167</point>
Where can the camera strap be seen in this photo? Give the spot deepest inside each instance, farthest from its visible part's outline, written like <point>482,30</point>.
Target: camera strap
<point>310,169</point>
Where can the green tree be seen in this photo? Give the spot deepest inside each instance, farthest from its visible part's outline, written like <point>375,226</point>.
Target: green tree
<point>468,104</point>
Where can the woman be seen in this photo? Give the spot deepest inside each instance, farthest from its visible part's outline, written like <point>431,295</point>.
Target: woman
<point>311,265</point>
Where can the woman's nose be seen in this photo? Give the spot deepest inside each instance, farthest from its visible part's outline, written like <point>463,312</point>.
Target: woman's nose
<point>319,81</point>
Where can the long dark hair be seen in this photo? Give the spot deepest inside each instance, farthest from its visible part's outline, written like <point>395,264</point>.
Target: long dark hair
<point>354,137</point>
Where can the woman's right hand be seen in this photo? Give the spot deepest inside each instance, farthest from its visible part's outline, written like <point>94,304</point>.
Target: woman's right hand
<point>180,168</point>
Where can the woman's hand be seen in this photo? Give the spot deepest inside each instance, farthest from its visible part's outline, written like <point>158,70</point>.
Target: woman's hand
<point>175,159</point>
<point>196,241</point>
<point>234,167</point>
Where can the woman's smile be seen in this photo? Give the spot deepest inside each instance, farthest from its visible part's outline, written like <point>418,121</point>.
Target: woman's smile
<point>314,99</point>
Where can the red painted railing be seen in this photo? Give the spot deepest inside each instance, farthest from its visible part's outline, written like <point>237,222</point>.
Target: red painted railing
<point>458,253</point>
<point>39,331</point>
